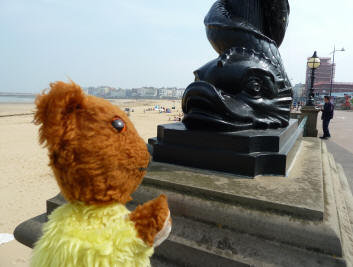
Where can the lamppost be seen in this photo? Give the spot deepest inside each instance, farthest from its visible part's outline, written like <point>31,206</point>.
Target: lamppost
<point>313,64</point>
<point>333,65</point>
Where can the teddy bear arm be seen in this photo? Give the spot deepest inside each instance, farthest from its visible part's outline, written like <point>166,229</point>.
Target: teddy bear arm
<point>152,221</point>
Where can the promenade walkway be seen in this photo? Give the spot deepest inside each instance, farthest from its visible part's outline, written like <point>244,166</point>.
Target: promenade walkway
<point>341,142</point>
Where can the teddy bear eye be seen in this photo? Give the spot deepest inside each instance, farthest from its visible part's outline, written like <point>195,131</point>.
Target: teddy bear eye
<point>119,125</point>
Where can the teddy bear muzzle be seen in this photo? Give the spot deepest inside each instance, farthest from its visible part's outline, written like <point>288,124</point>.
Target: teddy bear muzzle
<point>142,169</point>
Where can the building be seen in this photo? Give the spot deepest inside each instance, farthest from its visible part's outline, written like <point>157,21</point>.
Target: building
<point>165,92</point>
<point>299,92</point>
<point>118,93</point>
<point>144,92</point>
<point>178,93</point>
<point>148,92</point>
<point>339,89</point>
<point>138,93</point>
<point>101,91</point>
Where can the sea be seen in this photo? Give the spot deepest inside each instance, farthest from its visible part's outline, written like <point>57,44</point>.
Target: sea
<point>17,99</point>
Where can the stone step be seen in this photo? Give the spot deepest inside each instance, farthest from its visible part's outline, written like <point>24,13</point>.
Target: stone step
<point>160,262</point>
<point>285,229</point>
<point>193,243</point>
<point>184,252</point>
<point>54,202</point>
<point>345,224</point>
<point>30,231</point>
<point>347,191</point>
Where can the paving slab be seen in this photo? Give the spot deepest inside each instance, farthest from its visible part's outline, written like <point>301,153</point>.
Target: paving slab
<point>343,157</point>
<point>341,142</point>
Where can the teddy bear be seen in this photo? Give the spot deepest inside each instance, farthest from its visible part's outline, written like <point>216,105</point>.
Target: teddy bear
<point>98,160</point>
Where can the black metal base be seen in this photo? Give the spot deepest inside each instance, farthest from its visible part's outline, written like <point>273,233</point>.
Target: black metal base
<point>246,153</point>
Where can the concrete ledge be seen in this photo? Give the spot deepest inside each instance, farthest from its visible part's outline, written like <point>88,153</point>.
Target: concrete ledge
<point>243,248</point>
<point>281,228</point>
<point>346,191</point>
<point>300,194</point>
<point>30,231</point>
<point>304,219</point>
<point>188,253</point>
<point>342,206</point>
<point>55,202</point>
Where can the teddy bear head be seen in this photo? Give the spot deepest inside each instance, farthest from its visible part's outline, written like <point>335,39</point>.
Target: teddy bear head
<point>95,151</point>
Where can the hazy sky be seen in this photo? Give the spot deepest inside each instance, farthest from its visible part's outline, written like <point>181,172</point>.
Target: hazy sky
<point>133,43</point>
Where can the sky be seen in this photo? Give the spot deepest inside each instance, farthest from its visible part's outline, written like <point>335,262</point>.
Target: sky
<point>135,43</point>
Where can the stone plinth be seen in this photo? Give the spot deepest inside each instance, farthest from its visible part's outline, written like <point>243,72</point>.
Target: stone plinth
<point>311,126</point>
<point>246,153</point>
<point>302,220</point>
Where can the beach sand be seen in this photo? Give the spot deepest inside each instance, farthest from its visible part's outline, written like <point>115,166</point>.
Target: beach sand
<point>26,181</point>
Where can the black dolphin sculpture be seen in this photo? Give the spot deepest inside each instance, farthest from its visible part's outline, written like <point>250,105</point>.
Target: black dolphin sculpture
<point>246,87</point>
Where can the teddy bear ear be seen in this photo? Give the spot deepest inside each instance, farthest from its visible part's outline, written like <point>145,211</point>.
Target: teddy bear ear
<point>54,107</point>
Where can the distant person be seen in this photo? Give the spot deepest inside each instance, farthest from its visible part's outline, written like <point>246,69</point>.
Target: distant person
<point>327,116</point>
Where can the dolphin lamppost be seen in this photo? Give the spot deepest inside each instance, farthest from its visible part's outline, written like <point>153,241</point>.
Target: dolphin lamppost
<point>246,87</point>
<point>237,111</point>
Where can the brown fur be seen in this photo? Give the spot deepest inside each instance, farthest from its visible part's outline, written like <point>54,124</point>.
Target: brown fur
<point>91,160</point>
<point>150,218</point>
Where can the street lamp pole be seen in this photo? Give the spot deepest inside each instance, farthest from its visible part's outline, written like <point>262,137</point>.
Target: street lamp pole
<point>310,110</point>
<point>313,64</point>
<point>333,65</point>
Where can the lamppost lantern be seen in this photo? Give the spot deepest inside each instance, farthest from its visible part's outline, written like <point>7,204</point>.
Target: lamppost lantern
<point>313,64</point>
<point>314,61</point>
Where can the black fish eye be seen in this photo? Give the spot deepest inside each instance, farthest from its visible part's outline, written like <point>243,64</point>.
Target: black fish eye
<point>254,84</point>
<point>119,125</point>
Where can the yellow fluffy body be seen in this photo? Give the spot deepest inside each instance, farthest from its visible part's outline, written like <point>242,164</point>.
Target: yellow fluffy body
<point>98,236</point>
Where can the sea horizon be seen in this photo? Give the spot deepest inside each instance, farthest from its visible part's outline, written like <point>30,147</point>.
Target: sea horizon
<point>16,99</point>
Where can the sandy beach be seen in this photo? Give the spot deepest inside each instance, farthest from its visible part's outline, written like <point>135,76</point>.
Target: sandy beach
<point>26,181</point>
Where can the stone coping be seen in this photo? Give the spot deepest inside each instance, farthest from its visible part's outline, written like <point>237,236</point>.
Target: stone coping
<point>300,194</point>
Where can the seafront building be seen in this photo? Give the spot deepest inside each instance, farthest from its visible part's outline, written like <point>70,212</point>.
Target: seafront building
<point>143,92</point>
